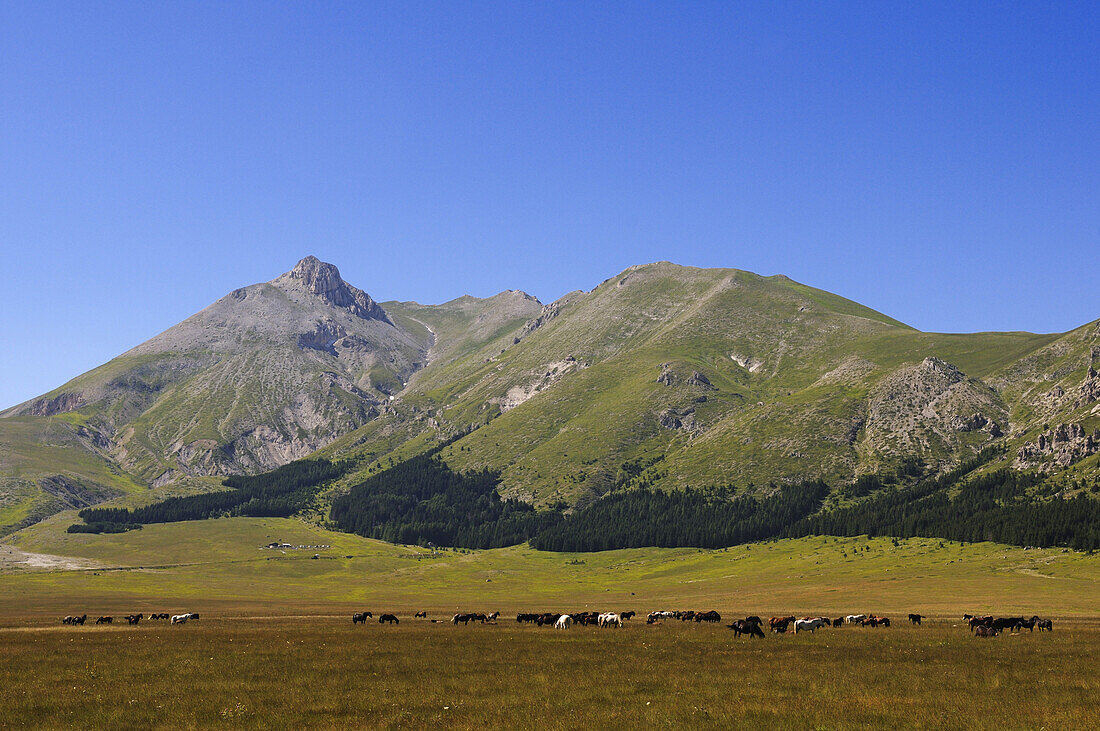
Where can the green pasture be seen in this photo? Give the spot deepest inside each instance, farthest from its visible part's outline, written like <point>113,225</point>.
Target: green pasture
<point>222,562</point>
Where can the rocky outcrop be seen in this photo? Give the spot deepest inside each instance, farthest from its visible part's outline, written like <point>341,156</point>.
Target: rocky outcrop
<point>1089,390</point>
<point>976,422</point>
<point>59,404</point>
<point>549,312</point>
<point>748,362</point>
<point>667,376</point>
<point>323,279</point>
<point>552,373</point>
<point>700,381</point>
<point>74,494</point>
<point>930,406</point>
<point>677,418</point>
<point>323,337</point>
<point>1060,447</point>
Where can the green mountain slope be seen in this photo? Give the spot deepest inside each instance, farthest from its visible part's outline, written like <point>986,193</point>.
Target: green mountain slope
<point>664,375</point>
<point>713,377</point>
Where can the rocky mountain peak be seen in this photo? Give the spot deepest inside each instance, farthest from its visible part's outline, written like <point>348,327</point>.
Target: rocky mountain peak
<point>323,280</point>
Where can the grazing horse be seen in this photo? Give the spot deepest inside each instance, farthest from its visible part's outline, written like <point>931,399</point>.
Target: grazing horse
<point>564,622</point>
<point>421,614</point>
<point>610,618</point>
<point>104,620</point>
<point>464,618</point>
<point>1045,624</point>
<point>360,617</point>
<point>779,624</point>
<point>806,624</point>
<point>73,619</point>
<point>711,616</point>
<point>745,627</point>
<point>1010,623</point>
<point>855,618</point>
<point>983,631</point>
<point>180,618</point>
<point>391,618</point>
<point>915,619</point>
<point>492,616</point>
<point>838,622</point>
<point>1028,624</point>
<point>976,622</point>
<point>133,618</point>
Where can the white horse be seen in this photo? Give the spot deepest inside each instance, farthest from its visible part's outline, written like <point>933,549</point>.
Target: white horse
<point>806,624</point>
<point>180,618</point>
<point>610,618</point>
<point>564,622</point>
<point>855,618</point>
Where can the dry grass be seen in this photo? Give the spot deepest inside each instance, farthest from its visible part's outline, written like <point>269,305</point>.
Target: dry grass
<point>276,647</point>
<point>321,671</point>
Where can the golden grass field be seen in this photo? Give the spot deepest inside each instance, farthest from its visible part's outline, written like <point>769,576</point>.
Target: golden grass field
<point>276,648</point>
<point>320,671</point>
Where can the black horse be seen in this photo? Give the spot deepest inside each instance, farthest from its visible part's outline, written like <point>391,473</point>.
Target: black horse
<point>745,627</point>
<point>915,619</point>
<point>391,618</point>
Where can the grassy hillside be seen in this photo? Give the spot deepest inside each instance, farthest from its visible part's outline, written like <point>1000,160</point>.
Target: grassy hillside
<point>213,563</point>
<point>51,464</point>
<point>721,375</point>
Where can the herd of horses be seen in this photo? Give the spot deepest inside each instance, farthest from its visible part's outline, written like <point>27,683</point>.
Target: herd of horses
<point>750,625</point>
<point>989,626</point>
<point>980,626</point>
<point>362,617</point>
<point>132,618</point>
<point>753,626</point>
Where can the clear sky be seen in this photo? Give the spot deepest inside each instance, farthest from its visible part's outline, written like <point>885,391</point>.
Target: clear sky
<point>939,162</point>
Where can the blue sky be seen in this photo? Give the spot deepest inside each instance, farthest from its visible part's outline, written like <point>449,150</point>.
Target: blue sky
<point>938,162</point>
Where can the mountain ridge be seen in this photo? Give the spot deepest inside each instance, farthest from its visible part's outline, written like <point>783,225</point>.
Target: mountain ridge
<point>725,375</point>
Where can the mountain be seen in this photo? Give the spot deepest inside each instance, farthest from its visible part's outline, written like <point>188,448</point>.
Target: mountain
<point>718,376</point>
<point>663,375</point>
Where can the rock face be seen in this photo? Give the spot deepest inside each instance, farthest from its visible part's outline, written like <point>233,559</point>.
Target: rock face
<point>1060,447</point>
<point>323,279</point>
<point>930,407</point>
<point>59,404</point>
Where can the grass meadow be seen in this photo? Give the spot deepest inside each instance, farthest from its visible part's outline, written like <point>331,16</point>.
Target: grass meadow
<point>321,671</point>
<point>276,648</point>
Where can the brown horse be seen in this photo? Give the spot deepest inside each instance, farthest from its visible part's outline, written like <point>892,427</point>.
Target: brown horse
<point>779,624</point>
